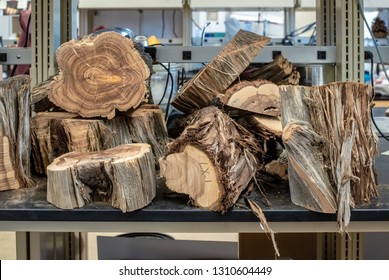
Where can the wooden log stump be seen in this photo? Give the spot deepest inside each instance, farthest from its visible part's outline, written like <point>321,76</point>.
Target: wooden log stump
<point>212,161</point>
<point>260,97</point>
<point>219,74</point>
<point>15,133</point>
<point>331,146</point>
<point>123,176</point>
<point>309,183</point>
<point>98,75</point>
<point>56,133</point>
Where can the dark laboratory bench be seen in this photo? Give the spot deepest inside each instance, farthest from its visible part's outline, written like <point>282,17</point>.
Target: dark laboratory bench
<point>30,204</point>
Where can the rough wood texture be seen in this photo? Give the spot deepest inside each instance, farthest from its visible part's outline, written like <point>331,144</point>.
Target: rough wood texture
<point>280,71</point>
<point>212,161</point>
<point>264,127</point>
<point>219,74</point>
<point>15,133</point>
<point>259,96</point>
<point>98,75</point>
<point>56,133</point>
<point>330,142</point>
<point>123,176</point>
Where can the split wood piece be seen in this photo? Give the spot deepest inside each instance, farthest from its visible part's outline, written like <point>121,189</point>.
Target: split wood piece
<point>279,71</point>
<point>43,147</point>
<point>15,133</point>
<point>278,167</point>
<point>264,126</point>
<point>309,182</point>
<point>387,112</point>
<point>147,125</point>
<point>212,161</point>
<point>340,113</point>
<point>56,133</point>
<point>219,74</point>
<point>98,75</point>
<point>123,176</point>
<point>260,97</point>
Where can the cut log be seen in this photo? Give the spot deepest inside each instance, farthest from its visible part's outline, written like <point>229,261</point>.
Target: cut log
<point>56,133</point>
<point>15,133</point>
<point>260,97</point>
<point>219,74</point>
<point>340,112</point>
<point>147,125</point>
<point>123,176</point>
<point>39,97</point>
<point>309,182</point>
<point>98,75</point>
<point>264,126</point>
<point>213,160</point>
<point>280,71</point>
<point>329,128</point>
<point>41,143</point>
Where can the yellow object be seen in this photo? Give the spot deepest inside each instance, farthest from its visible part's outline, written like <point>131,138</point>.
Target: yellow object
<point>152,40</point>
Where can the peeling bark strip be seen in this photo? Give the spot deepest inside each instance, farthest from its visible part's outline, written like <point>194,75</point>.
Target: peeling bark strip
<point>260,96</point>
<point>56,133</point>
<point>219,74</point>
<point>15,133</point>
<point>123,176</point>
<point>212,161</point>
<point>329,127</point>
<point>98,75</point>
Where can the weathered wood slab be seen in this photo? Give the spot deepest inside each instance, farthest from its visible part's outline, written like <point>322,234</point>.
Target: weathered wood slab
<point>15,133</point>
<point>212,161</point>
<point>219,74</point>
<point>123,176</point>
<point>99,75</point>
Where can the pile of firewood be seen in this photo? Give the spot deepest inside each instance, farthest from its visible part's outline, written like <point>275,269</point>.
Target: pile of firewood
<point>87,119</point>
<point>232,133</point>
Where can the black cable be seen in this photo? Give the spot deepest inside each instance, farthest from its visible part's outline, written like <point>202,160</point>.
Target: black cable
<point>25,43</point>
<point>171,90</point>
<point>163,23</point>
<point>174,24</point>
<point>167,81</point>
<point>371,111</point>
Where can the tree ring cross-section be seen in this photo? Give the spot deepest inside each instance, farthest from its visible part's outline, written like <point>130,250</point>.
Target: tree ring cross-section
<point>99,74</point>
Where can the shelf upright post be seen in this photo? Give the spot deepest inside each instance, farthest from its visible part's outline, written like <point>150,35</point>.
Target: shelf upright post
<point>349,41</point>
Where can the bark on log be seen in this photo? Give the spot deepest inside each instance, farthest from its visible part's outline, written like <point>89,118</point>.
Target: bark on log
<point>213,160</point>
<point>219,74</point>
<point>100,74</point>
<point>308,181</point>
<point>280,71</point>
<point>15,133</point>
<point>56,133</point>
<point>330,142</point>
<point>260,97</point>
<point>123,176</point>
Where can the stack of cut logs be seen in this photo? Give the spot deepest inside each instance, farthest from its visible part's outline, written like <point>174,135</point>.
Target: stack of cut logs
<point>216,157</point>
<point>93,134</point>
<point>96,138</point>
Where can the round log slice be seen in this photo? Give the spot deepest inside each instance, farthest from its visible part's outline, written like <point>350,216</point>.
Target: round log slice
<point>98,75</point>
